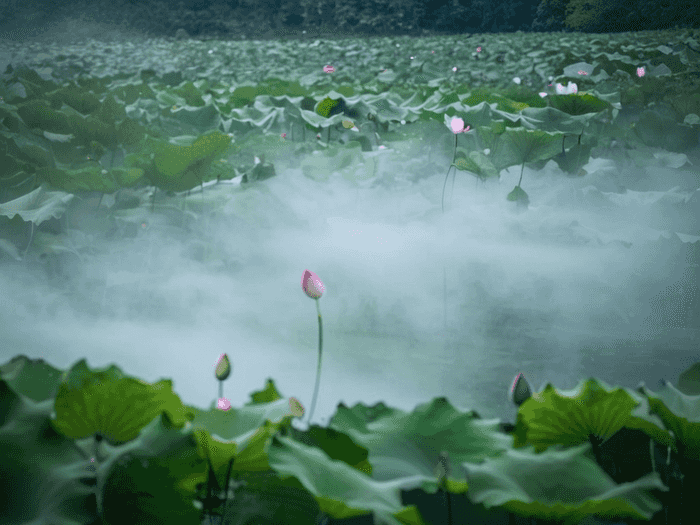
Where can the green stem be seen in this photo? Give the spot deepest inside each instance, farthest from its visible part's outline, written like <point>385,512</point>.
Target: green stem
<point>522,169</point>
<point>454,155</point>
<point>444,294</point>
<point>318,368</point>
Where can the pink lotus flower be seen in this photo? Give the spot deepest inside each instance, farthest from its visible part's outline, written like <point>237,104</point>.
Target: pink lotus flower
<point>640,71</point>
<point>313,287</point>
<point>570,88</point>
<point>223,404</point>
<point>328,69</point>
<point>457,125</point>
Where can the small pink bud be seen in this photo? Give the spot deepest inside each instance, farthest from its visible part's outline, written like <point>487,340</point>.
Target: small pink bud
<point>312,284</point>
<point>223,404</point>
<point>223,367</point>
<point>520,390</point>
<point>295,407</point>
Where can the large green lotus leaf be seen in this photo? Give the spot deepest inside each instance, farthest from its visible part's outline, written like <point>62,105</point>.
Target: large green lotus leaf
<point>552,119</point>
<point>478,164</point>
<point>519,196</point>
<point>190,94</point>
<point>182,167</point>
<point>140,484</point>
<point>43,474</point>
<point>127,177</point>
<point>79,98</point>
<point>689,380</point>
<point>341,491</point>
<point>569,417</point>
<point>33,378</point>
<point>38,206</point>
<point>530,146</point>
<point>35,86</point>
<point>578,103</point>
<point>561,486</point>
<point>660,131</point>
<point>475,116</point>
<point>39,155</point>
<point>91,401</point>
<point>574,159</point>
<point>320,167</point>
<point>131,90</point>
<point>110,110</point>
<point>90,129</point>
<point>680,414</point>
<point>39,114</point>
<point>90,178</point>
<point>187,119</point>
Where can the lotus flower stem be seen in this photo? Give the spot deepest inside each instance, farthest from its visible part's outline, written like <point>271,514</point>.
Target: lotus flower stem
<point>318,367</point>
<point>222,372</point>
<point>313,288</point>
<point>444,295</point>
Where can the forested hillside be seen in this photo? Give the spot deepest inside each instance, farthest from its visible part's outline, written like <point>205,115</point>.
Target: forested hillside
<point>269,19</point>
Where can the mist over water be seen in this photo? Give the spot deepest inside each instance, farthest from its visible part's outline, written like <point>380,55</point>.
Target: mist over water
<point>583,283</point>
<point>599,277</point>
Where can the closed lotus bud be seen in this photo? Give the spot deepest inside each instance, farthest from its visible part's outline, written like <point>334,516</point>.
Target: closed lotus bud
<point>312,284</point>
<point>520,391</point>
<point>295,407</point>
<point>223,368</point>
<point>442,470</point>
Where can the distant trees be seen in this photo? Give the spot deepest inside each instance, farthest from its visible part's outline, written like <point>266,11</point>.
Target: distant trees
<point>600,16</point>
<point>462,16</point>
<point>478,16</point>
<point>655,14</point>
<point>606,16</point>
<point>550,16</point>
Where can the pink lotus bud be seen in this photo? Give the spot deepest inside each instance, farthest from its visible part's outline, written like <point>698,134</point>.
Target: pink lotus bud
<point>312,285</point>
<point>520,391</point>
<point>223,404</point>
<point>223,367</point>
<point>295,407</point>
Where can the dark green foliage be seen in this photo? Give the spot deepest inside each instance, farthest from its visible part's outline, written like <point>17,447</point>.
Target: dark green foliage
<point>605,16</point>
<point>265,19</point>
<point>550,16</point>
